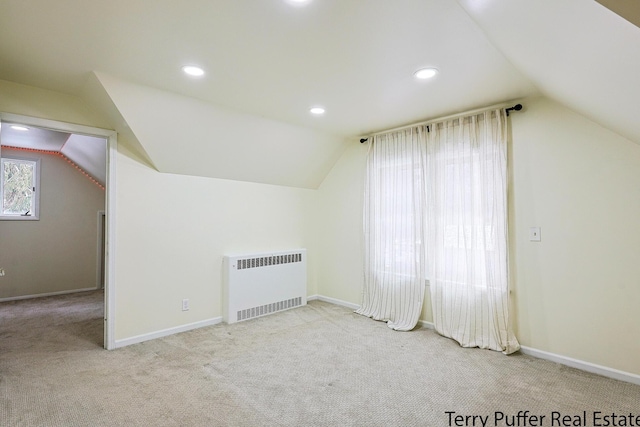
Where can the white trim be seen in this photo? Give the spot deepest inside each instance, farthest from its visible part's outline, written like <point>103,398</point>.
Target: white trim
<point>110,251</point>
<point>46,294</point>
<point>425,324</point>
<point>110,206</point>
<point>540,354</point>
<point>334,301</point>
<point>56,125</point>
<point>99,258</point>
<point>166,332</point>
<point>582,365</point>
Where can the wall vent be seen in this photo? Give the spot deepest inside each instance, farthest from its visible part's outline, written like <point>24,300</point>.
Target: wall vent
<point>266,261</point>
<point>250,313</point>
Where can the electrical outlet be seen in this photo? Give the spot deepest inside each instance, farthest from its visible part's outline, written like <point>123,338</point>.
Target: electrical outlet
<point>1,271</point>
<point>185,304</point>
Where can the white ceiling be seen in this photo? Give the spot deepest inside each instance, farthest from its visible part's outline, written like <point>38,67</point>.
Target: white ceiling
<point>88,152</point>
<point>273,60</point>
<point>32,138</point>
<point>267,57</point>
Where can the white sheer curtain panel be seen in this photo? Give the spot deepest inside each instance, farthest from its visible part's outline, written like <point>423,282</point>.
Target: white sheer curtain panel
<point>393,229</point>
<point>467,230</point>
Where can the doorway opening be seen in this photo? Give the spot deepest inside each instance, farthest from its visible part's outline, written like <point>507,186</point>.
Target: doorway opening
<point>85,157</point>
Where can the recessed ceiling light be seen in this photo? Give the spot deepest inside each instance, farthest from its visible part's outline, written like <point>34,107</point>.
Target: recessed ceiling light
<point>318,111</point>
<point>193,71</point>
<point>425,73</point>
<point>20,128</point>
<point>298,2</point>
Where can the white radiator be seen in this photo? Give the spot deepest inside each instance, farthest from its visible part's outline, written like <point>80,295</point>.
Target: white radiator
<point>260,284</point>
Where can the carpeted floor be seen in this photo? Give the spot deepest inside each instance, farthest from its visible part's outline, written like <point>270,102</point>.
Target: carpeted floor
<point>318,365</point>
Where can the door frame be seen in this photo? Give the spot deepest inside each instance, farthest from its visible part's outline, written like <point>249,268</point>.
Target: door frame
<point>110,205</point>
<point>101,251</point>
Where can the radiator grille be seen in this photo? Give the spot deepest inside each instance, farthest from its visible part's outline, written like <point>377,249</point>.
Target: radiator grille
<point>266,261</point>
<point>261,310</point>
<point>258,284</point>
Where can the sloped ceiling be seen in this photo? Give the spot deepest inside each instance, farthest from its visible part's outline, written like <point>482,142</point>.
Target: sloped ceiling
<point>577,52</point>
<point>268,62</point>
<point>33,138</point>
<point>88,152</point>
<point>187,136</point>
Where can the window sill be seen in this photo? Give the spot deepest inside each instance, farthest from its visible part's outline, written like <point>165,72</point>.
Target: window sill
<point>19,218</point>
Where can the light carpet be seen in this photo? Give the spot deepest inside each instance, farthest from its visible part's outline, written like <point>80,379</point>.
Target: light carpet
<point>317,365</point>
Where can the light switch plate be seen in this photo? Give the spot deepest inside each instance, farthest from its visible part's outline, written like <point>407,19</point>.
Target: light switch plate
<point>534,234</point>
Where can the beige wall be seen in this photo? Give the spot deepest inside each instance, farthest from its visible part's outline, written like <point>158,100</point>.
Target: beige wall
<point>576,292</point>
<point>172,231</point>
<point>58,252</point>
<point>338,229</point>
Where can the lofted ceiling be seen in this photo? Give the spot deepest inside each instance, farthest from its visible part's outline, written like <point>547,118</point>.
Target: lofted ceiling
<point>273,60</point>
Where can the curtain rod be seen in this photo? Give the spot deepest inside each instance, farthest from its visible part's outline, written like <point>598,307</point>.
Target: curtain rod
<point>516,107</point>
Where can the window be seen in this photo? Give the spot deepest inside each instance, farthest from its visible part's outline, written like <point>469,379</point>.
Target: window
<point>19,179</point>
<point>403,248</point>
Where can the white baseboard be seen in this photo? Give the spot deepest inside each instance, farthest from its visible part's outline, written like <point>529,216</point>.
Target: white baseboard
<point>170,331</point>
<point>47,294</point>
<point>568,361</point>
<point>426,324</point>
<point>582,365</point>
<point>334,301</point>
<point>166,332</point>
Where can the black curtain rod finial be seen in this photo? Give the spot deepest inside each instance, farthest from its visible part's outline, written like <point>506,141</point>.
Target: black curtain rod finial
<point>516,107</point>
<point>363,140</point>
